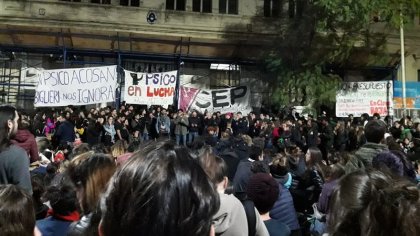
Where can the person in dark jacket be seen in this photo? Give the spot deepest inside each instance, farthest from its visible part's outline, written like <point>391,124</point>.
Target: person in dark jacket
<point>62,213</point>
<point>243,172</point>
<point>313,177</point>
<point>25,139</point>
<point>240,124</point>
<point>284,209</point>
<point>396,130</point>
<point>14,162</point>
<point>312,134</point>
<point>332,175</point>
<point>374,133</point>
<point>65,133</point>
<point>327,138</point>
<point>263,190</point>
<point>94,131</point>
<point>341,137</point>
<point>194,126</point>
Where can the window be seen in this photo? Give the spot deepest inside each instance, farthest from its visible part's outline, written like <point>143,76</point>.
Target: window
<point>224,75</point>
<point>418,75</point>
<point>101,1</point>
<point>272,8</point>
<point>202,6</point>
<point>178,5</point>
<point>228,6</point>
<point>296,8</point>
<point>133,3</point>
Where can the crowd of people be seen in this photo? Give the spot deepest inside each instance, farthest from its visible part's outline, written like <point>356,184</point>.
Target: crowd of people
<point>155,171</point>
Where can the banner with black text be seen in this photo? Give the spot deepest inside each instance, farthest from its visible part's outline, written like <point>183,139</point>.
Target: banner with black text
<point>370,97</point>
<point>76,86</point>
<point>232,99</point>
<point>150,88</point>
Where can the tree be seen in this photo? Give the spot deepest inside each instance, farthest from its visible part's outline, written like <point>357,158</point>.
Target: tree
<point>322,33</point>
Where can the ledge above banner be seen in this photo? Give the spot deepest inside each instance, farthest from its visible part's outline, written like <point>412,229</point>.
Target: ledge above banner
<point>76,86</point>
<point>150,88</point>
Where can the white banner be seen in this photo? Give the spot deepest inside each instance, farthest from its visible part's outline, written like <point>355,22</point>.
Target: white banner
<point>150,89</point>
<point>365,97</point>
<point>233,99</point>
<point>76,86</point>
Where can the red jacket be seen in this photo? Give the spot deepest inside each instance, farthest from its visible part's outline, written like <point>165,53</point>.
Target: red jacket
<point>26,140</point>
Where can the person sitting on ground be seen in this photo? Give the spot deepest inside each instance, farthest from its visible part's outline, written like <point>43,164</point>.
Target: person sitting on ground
<point>90,174</point>
<point>373,203</point>
<point>63,211</point>
<point>263,190</point>
<point>375,134</point>
<point>231,217</point>
<point>38,188</point>
<point>17,216</point>
<point>284,208</point>
<point>244,172</point>
<point>332,175</point>
<point>169,194</point>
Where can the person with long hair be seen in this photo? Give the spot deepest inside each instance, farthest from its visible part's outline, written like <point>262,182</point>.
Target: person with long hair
<point>161,190</point>
<point>90,174</point>
<point>25,139</point>
<point>109,132</point>
<point>17,215</point>
<point>14,162</point>
<point>373,203</point>
<point>341,136</point>
<point>313,177</point>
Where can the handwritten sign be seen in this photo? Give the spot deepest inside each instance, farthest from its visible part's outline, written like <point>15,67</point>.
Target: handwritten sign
<point>216,100</point>
<point>150,88</point>
<point>77,86</point>
<point>365,97</point>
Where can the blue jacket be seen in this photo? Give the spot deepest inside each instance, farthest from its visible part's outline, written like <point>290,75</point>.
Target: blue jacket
<point>52,226</point>
<point>65,132</point>
<point>284,210</point>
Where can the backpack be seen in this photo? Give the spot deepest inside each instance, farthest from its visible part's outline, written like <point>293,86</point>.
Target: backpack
<point>250,213</point>
<point>250,216</point>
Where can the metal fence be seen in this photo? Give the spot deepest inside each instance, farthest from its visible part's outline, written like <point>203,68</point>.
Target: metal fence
<point>400,113</point>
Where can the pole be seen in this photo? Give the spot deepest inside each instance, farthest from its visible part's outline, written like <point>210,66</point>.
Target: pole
<point>403,61</point>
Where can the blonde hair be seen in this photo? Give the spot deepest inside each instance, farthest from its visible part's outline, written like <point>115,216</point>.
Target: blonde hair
<point>119,148</point>
<point>91,173</point>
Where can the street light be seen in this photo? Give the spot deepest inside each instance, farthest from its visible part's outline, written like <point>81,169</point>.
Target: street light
<point>402,60</point>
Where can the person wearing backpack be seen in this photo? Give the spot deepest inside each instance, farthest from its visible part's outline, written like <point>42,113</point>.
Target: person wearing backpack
<point>234,217</point>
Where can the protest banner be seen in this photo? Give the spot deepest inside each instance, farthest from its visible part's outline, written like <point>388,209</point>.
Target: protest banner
<point>365,97</point>
<point>233,99</point>
<point>76,86</point>
<point>150,88</point>
<point>412,93</point>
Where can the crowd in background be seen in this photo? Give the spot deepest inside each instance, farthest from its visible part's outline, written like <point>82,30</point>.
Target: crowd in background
<point>153,171</point>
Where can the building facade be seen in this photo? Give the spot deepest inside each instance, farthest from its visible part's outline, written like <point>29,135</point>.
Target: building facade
<point>150,36</point>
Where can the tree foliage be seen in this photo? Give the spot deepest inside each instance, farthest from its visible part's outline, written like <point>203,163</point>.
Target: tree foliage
<point>320,33</point>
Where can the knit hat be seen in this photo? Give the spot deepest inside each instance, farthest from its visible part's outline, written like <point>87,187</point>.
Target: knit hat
<point>263,190</point>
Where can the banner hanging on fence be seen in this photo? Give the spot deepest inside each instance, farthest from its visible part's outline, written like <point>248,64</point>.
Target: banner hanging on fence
<point>150,88</point>
<point>76,86</point>
<point>233,99</point>
<point>365,97</point>
<point>412,95</point>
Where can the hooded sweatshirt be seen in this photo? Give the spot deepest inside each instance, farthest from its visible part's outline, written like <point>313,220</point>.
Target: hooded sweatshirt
<point>364,156</point>
<point>231,217</point>
<point>26,140</point>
